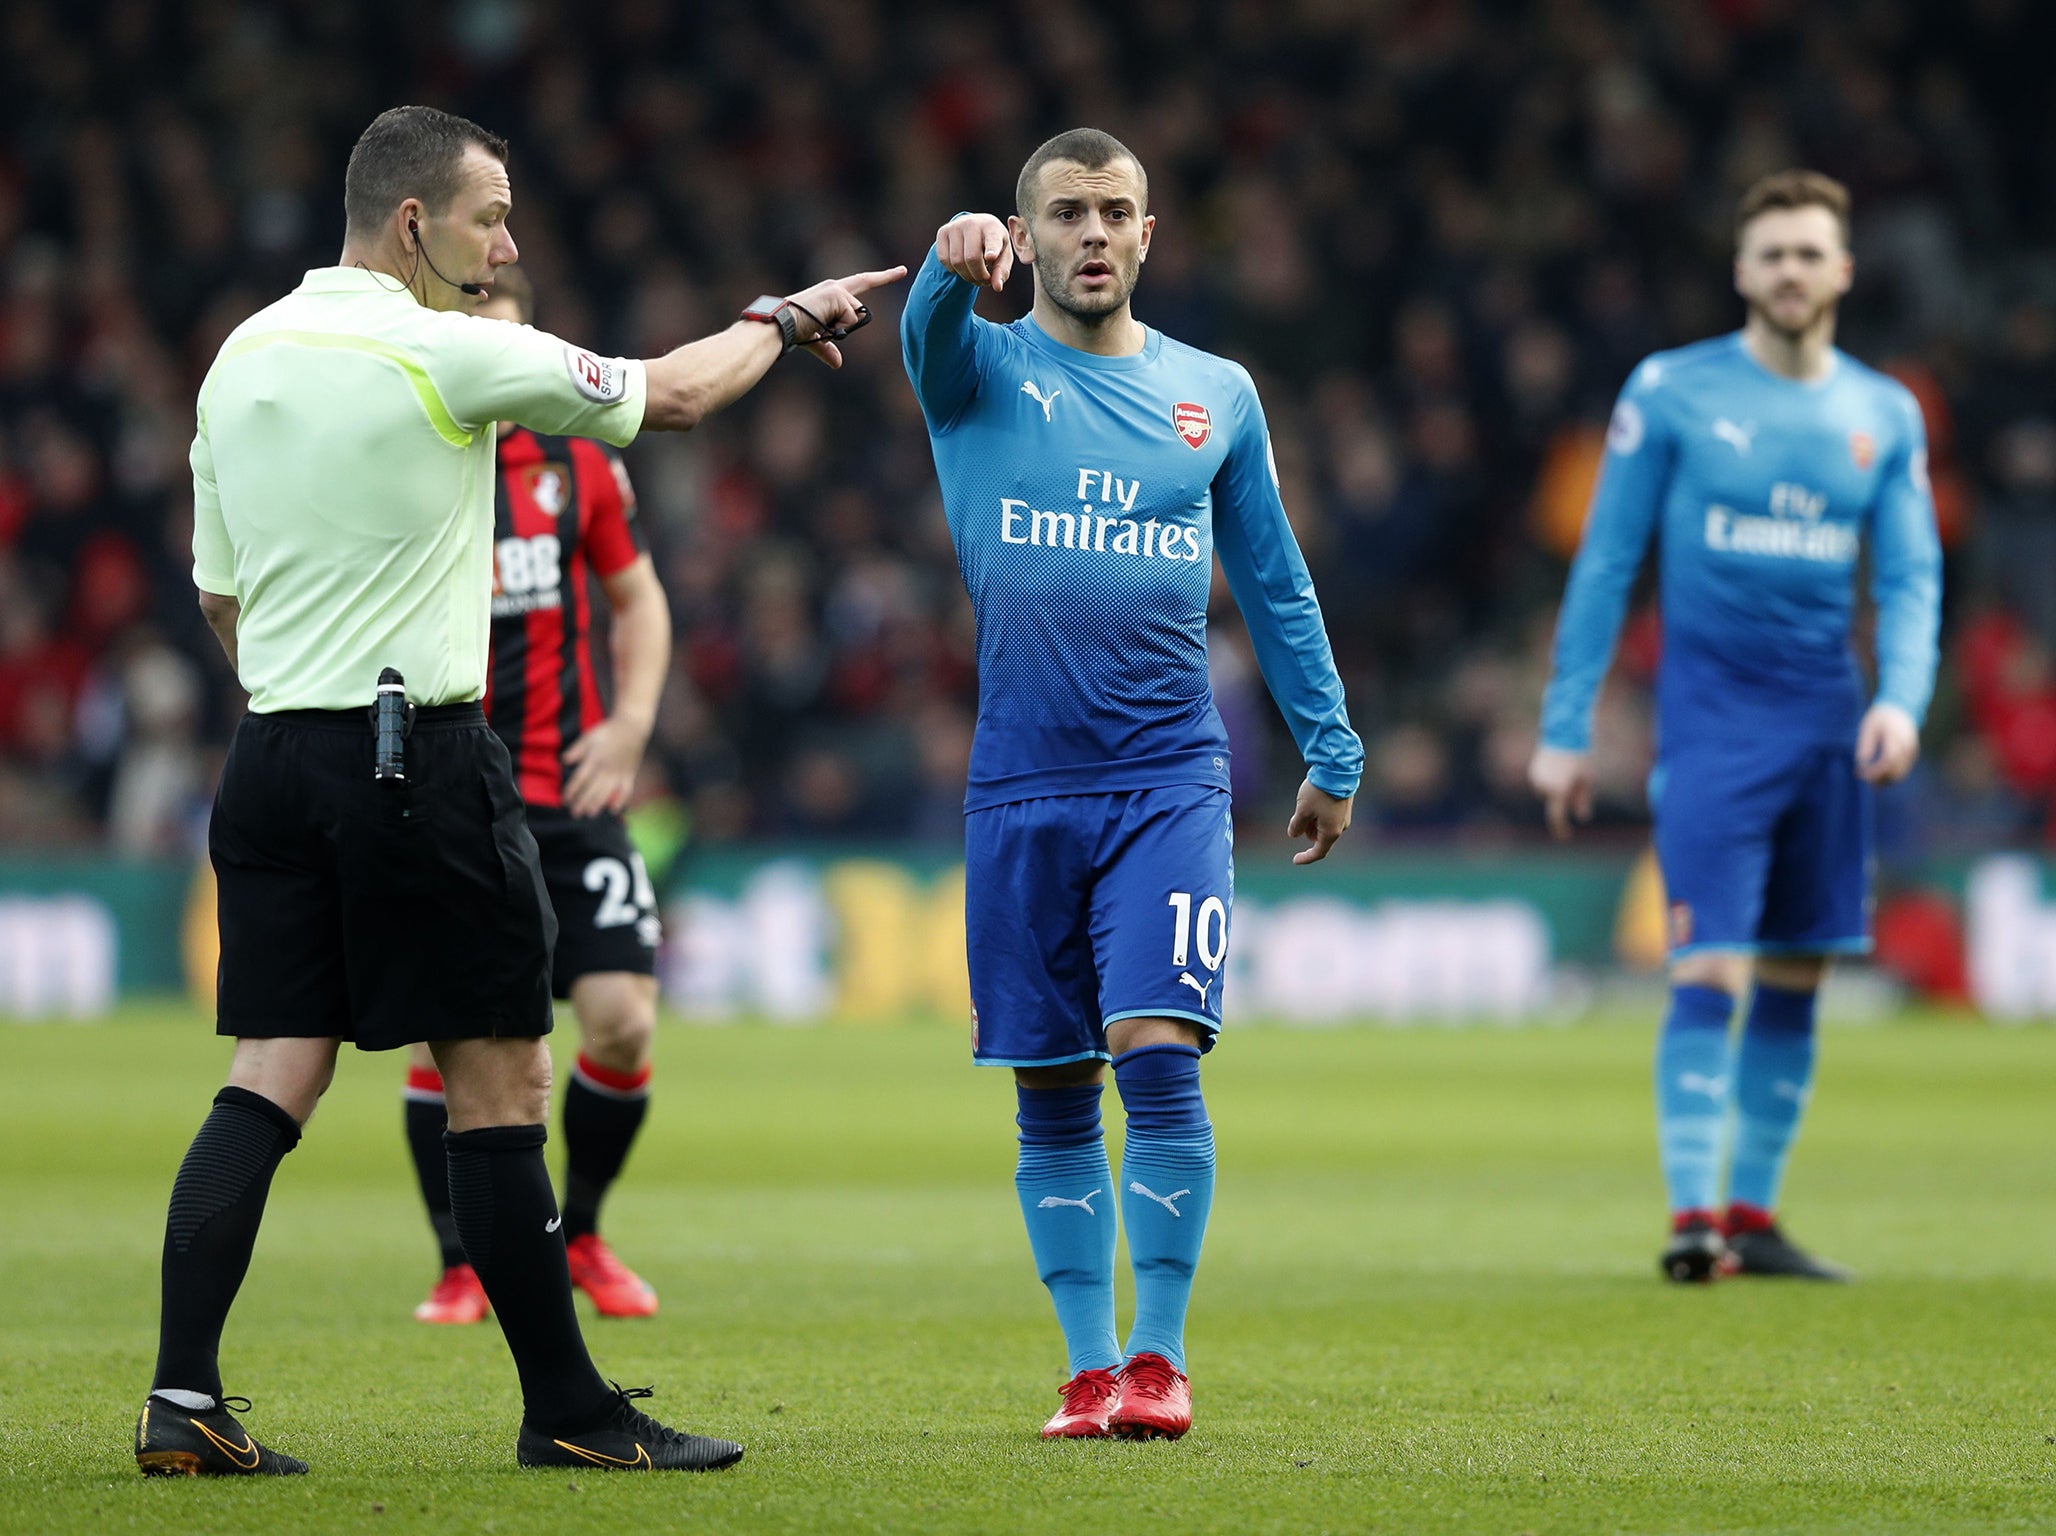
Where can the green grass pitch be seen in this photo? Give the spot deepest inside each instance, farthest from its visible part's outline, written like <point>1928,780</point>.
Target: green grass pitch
<point>1429,1301</point>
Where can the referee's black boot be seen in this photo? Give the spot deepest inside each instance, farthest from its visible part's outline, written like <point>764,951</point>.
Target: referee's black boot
<point>172,1441</point>
<point>627,1440</point>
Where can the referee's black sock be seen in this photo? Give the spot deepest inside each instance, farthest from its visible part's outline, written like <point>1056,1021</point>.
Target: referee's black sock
<point>427,1118</point>
<point>217,1202</point>
<point>507,1217</point>
<point>603,1109</point>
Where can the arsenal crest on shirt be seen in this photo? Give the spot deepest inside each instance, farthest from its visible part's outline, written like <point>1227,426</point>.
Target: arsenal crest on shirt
<point>1192,422</point>
<point>1863,448</point>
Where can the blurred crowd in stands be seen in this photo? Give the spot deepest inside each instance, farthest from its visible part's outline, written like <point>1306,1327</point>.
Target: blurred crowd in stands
<point>1439,232</point>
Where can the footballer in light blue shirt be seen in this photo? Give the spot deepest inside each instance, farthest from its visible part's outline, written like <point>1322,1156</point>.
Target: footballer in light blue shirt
<point>1091,470</point>
<point>1761,464</point>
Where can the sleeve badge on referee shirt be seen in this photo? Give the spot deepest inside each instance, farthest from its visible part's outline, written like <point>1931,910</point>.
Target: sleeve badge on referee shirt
<point>602,380</point>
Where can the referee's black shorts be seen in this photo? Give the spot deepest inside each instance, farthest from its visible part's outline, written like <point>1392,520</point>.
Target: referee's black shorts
<point>378,913</point>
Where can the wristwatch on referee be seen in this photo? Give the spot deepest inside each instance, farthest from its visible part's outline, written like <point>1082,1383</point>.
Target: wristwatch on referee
<point>772,310</point>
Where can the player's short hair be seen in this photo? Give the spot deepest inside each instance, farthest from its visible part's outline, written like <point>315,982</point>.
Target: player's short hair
<point>1794,189</point>
<point>409,152</point>
<point>512,284</point>
<point>1087,147</point>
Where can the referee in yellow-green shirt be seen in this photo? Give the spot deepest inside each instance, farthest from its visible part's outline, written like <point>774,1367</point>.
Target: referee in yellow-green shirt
<point>382,887</point>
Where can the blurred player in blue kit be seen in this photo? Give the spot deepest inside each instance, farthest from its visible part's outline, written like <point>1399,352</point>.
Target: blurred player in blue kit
<point>1091,468</point>
<point>1761,462</point>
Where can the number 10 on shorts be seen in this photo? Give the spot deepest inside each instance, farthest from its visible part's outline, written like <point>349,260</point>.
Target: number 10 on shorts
<point>1212,935</point>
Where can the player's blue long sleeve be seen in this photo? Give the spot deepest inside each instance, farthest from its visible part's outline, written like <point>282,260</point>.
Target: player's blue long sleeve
<point>1086,497</point>
<point>939,338</point>
<point>1625,507</point>
<point>1906,579</point>
<point>1762,492</point>
<point>1268,576</point>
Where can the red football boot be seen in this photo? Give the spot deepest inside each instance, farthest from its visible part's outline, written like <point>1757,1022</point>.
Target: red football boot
<point>1155,1401</point>
<point>1088,1399</point>
<point>616,1290</point>
<point>457,1298</point>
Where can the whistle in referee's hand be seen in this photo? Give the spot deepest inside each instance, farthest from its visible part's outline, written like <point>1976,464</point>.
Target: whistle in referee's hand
<point>390,718</point>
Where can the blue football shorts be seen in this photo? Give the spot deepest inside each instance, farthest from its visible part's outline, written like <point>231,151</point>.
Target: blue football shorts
<point>1764,849</point>
<point>1082,910</point>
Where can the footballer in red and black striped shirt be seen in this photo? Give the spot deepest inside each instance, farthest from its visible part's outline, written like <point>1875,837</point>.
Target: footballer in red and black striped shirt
<point>564,520</point>
<point>563,511</point>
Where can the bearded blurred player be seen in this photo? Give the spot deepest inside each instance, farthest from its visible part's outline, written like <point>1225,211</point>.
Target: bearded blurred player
<point>1762,463</point>
<point>1091,469</point>
<point>564,507</point>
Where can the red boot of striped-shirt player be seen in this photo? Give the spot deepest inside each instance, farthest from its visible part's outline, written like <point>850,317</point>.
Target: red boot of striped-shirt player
<point>458,1298</point>
<point>616,1290</point>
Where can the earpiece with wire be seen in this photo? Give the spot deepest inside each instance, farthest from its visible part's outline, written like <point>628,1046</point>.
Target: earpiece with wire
<point>421,251</point>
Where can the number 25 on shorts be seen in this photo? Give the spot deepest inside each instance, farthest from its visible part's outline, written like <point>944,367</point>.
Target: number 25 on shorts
<point>616,909</point>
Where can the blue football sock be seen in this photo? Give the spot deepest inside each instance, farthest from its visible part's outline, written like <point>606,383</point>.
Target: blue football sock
<point>1692,1095</point>
<point>1773,1081</point>
<point>1067,1199</point>
<point>1167,1188</point>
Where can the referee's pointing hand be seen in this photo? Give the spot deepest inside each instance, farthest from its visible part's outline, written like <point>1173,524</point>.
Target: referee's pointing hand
<point>835,305</point>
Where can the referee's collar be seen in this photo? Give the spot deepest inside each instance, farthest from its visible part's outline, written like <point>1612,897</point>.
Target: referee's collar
<point>352,280</point>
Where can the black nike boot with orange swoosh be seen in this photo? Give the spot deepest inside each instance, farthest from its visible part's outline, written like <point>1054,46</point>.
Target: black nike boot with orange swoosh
<point>627,1440</point>
<point>174,1441</point>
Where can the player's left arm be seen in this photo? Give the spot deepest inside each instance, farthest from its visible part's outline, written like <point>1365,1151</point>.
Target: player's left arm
<point>940,336</point>
<point>1906,585</point>
<point>604,760</point>
<point>1268,576</point>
